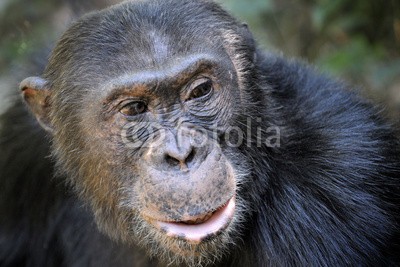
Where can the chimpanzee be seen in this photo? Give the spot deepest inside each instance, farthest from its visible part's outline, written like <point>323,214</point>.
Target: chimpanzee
<point>171,139</point>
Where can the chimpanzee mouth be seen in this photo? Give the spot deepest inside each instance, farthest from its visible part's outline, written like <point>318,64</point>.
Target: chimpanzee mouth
<point>200,228</point>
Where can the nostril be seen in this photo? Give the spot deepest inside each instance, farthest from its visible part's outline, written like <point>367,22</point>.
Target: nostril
<point>171,160</point>
<point>186,163</point>
<point>190,158</point>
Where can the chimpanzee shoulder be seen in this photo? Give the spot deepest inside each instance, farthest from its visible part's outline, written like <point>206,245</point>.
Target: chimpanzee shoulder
<point>338,149</point>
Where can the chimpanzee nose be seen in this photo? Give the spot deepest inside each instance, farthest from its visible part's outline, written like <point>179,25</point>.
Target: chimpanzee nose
<point>178,151</point>
<point>174,153</point>
<point>179,156</point>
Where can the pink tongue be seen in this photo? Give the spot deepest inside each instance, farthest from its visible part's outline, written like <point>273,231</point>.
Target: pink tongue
<point>195,233</point>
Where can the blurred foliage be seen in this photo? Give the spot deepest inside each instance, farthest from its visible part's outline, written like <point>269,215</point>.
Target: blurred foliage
<point>29,27</point>
<point>23,26</point>
<point>357,40</point>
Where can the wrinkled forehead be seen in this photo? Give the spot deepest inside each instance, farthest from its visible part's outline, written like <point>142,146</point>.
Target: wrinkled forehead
<point>130,45</point>
<point>153,48</point>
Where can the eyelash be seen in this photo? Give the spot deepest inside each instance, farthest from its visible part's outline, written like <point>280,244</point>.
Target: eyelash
<point>203,88</point>
<point>133,108</point>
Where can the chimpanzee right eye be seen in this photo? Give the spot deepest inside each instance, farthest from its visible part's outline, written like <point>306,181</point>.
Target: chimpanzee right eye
<point>133,108</point>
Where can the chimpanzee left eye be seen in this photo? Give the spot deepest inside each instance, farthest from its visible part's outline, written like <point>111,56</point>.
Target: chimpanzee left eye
<point>201,88</point>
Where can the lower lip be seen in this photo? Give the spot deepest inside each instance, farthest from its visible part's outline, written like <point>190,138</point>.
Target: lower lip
<point>196,233</point>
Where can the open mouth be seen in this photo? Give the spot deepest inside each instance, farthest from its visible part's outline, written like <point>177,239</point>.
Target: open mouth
<point>200,227</point>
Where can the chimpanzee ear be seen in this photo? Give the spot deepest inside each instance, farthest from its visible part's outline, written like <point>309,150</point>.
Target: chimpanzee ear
<point>249,39</point>
<point>36,94</point>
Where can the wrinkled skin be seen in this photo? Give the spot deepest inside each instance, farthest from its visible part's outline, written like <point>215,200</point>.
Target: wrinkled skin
<point>143,103</point>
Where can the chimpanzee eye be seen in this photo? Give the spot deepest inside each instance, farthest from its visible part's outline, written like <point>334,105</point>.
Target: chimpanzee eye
<point>202,87</point>
<point>134,108</point>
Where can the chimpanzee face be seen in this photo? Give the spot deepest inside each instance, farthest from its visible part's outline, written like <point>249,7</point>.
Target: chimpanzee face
<point>139,120</point>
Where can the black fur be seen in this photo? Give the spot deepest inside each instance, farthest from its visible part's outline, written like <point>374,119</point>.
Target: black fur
<point>329,195</point>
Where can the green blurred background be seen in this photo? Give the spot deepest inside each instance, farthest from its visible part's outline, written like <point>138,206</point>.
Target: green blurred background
<point>355,40</point>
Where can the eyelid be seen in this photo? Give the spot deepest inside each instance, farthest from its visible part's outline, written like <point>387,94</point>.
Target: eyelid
<point>122,103</point>
<point>132,111</point>
<point>199,81</point>
<point>118,104</point>
<point>196,82</point>
<point>114,107</point>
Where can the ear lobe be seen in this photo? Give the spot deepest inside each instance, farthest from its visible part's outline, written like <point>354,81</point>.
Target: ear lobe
<point>36,94</point>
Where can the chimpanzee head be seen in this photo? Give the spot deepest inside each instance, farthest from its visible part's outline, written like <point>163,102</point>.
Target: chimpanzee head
<point>138,99</point>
